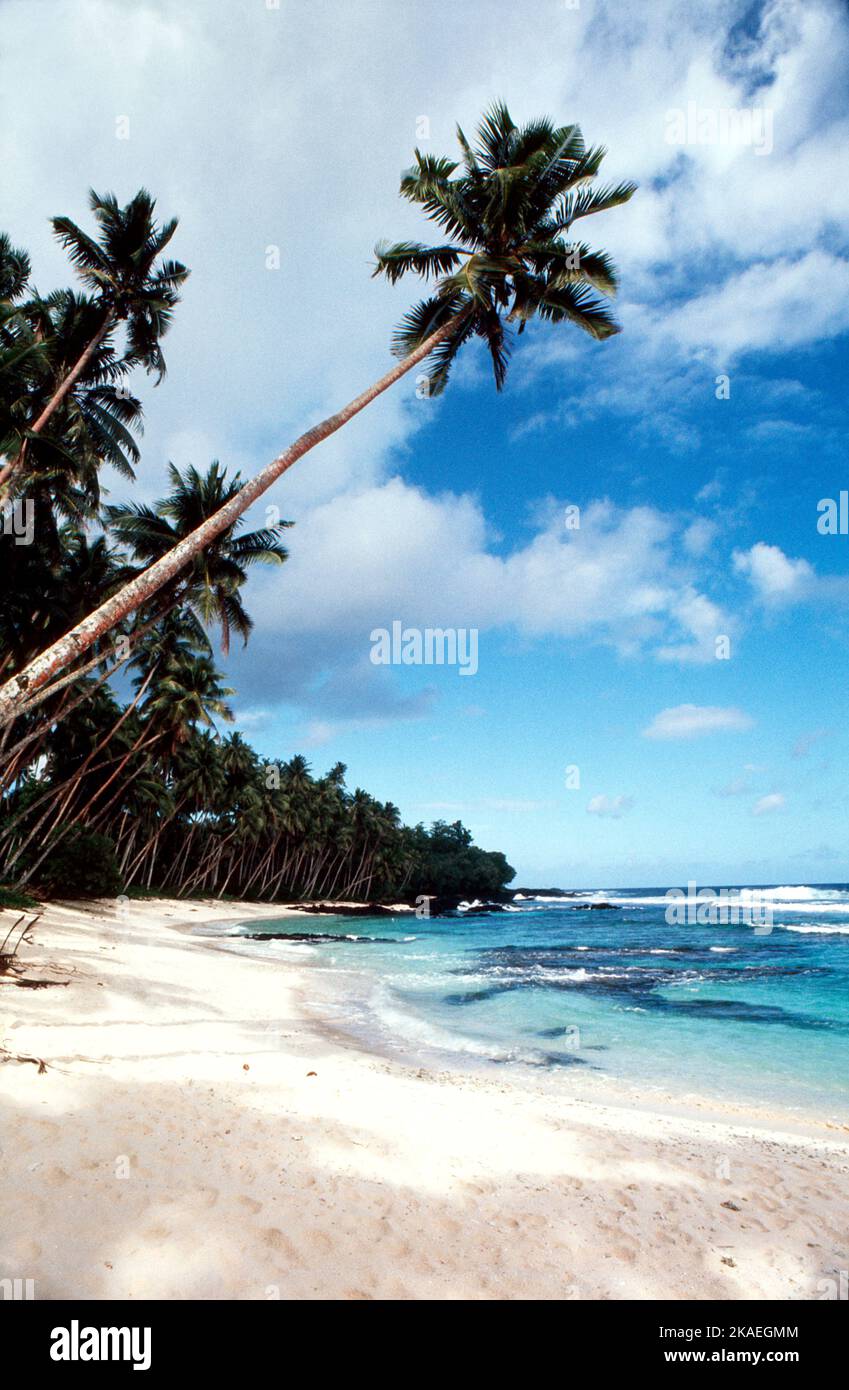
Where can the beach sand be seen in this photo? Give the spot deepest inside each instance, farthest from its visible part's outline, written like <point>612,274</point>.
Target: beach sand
<point>197,1135</point>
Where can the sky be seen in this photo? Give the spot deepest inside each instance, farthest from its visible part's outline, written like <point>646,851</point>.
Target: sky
<point>633,529</point>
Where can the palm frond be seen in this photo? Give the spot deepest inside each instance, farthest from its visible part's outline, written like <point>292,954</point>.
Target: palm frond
<point>587,201</point>
<point>580,306</point>
<point>426,318</point>
<point>396,260</point>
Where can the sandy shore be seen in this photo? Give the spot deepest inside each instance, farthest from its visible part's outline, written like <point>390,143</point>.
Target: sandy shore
<point>195,1135</point>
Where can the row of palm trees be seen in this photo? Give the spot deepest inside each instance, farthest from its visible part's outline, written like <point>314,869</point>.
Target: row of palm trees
<point>167,802</point>
<point>129,766</point>
<point>110,700</point>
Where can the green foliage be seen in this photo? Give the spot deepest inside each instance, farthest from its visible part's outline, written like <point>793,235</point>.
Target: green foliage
<point>121,268</point>
<point>191,811</point>
<point>82,865</point>
<point>12,897</point>
<point>506,208</point>
<point>449,865</point>
<point>210,584</point>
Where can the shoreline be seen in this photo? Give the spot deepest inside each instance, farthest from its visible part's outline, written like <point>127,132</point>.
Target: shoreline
<point>198,1133</point>
<point>596,1086</point>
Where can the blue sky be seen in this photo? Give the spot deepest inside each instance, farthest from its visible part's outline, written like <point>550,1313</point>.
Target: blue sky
<point>698,516</point>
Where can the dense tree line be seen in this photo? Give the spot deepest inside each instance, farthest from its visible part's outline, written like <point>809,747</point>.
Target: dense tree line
<point>120,775</point>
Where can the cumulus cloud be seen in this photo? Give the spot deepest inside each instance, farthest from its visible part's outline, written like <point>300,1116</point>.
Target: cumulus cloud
<point>699,536</point>
<point>766,805</point>
<point>397,553</point>
<point>774,577</point>
<point>798,301</point>
<point>693,721</point>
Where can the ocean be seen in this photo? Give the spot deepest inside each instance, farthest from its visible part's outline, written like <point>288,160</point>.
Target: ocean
<point>754,1009</point>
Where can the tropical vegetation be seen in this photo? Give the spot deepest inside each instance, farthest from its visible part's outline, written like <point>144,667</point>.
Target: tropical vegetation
<point>507,205</point>
<point>116,772</point>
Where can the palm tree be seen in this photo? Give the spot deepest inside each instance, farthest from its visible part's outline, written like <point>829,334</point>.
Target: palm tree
<point>121,268</point>
<point>210,584</point>
<point>90,426</point>
<point>22,353</point>
<point>63,576</point>
<point>188,692</point>
<point>506,208</point>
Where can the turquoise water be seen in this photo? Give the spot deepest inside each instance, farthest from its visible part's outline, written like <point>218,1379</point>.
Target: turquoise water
<point>713,1008</point>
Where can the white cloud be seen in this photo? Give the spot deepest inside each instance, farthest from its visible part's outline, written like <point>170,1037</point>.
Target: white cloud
<point>699,536</point>
<point>787,302</point>
<point>774,577</point>
<point>614,806</point>
<point>693,721</point>
<point>703,621</point>
<point>765,805</point>
<point>394,552</point>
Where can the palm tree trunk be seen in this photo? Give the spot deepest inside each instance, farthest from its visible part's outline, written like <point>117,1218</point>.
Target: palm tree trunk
<point>45,693</point>
<point>139,590</point>
<point>139,860</point>
<point>8,472</point>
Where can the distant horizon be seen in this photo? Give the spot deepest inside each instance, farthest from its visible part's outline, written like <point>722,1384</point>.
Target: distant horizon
<point>662,887</point>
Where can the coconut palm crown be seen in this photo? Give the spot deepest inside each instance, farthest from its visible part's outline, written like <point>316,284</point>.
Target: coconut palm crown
<point>120,266</point>
<point>210,586</point>
<point>508,211</point>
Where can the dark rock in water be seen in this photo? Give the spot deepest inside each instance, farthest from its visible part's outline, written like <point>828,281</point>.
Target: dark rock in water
<point>565,1059</point>
<point>448,905</point>
<point>545,892</point>
<point>311,936</point>
<point>474,996</point>
<point>596,907</point>
<point>346,909</point>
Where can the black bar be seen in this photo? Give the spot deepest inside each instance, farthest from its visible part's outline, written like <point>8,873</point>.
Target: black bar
<point>229,1338</point>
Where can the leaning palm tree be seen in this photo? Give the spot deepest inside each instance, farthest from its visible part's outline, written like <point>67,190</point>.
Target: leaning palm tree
<point>121,269</point>
<point>507,207</point>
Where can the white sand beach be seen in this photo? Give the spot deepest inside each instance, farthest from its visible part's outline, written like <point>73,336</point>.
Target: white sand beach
<point>195,1134</point>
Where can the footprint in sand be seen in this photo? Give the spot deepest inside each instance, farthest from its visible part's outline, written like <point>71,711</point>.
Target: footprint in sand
<point>157,1233</point>
<point>56,1174</point>
<point>625,1253</point>
<point>281,1244</point>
